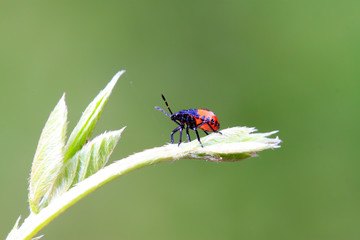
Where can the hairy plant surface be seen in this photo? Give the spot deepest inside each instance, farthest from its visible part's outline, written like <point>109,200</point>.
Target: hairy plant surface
<point>66,170</point>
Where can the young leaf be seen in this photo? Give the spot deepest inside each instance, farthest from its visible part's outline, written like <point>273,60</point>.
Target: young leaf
<point>94,155</point>
<point>87,161</point>
<point>88,119</point>
<point>49,155</point>
<point>234,144</point>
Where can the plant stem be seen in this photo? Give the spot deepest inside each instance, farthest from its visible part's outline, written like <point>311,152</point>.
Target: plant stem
<point>234,144</point>
<point>35,222</point>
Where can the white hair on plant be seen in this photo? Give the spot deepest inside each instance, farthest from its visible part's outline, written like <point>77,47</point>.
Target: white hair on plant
<point>62,174</point>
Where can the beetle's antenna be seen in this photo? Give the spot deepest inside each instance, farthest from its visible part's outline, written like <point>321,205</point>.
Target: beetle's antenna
<point>167,105</point>
<point>163,111</point>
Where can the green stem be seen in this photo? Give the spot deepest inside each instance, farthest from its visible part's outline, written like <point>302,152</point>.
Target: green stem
<point>35,222</point>
<point>233,145</point>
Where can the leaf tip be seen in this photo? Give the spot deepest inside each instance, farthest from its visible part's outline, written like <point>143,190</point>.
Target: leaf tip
<point>115,78</point>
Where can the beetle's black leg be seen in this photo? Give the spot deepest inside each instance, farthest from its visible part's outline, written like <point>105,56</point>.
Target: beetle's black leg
<point>172,133</point>
<point>206,132</point>
<point>187,133</point>
<point>175,121</point>
<point>197,134</point>
<point>181,129</point>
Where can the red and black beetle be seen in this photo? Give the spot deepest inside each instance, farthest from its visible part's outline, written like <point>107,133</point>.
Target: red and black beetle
<point>192,119</point>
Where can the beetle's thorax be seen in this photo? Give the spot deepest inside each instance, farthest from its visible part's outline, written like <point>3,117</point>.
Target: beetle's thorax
<point>184,117</point>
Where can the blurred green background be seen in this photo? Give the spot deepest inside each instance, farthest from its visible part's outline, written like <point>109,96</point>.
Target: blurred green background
<point>286,65</point>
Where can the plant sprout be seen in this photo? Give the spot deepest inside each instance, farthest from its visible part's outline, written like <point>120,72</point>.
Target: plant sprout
<point>66,170</point>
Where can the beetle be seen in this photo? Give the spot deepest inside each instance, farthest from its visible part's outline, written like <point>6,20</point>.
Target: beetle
<point>192,119</point>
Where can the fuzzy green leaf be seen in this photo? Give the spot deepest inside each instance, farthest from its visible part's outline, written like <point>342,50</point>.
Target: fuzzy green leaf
<point>94,155</point>
<point>87,122</point>
<point>49,155</point>
<point>87,161</point>
<point>234,144</point>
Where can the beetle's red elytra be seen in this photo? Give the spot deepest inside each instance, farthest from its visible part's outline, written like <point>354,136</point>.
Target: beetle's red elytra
<point>192,119</point>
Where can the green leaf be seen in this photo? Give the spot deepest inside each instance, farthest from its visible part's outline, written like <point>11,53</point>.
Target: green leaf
<point>234,144</point>
<point>87,122</point>
<point>94,155</point>
<point>49,155</point>
<point>87,161</point>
